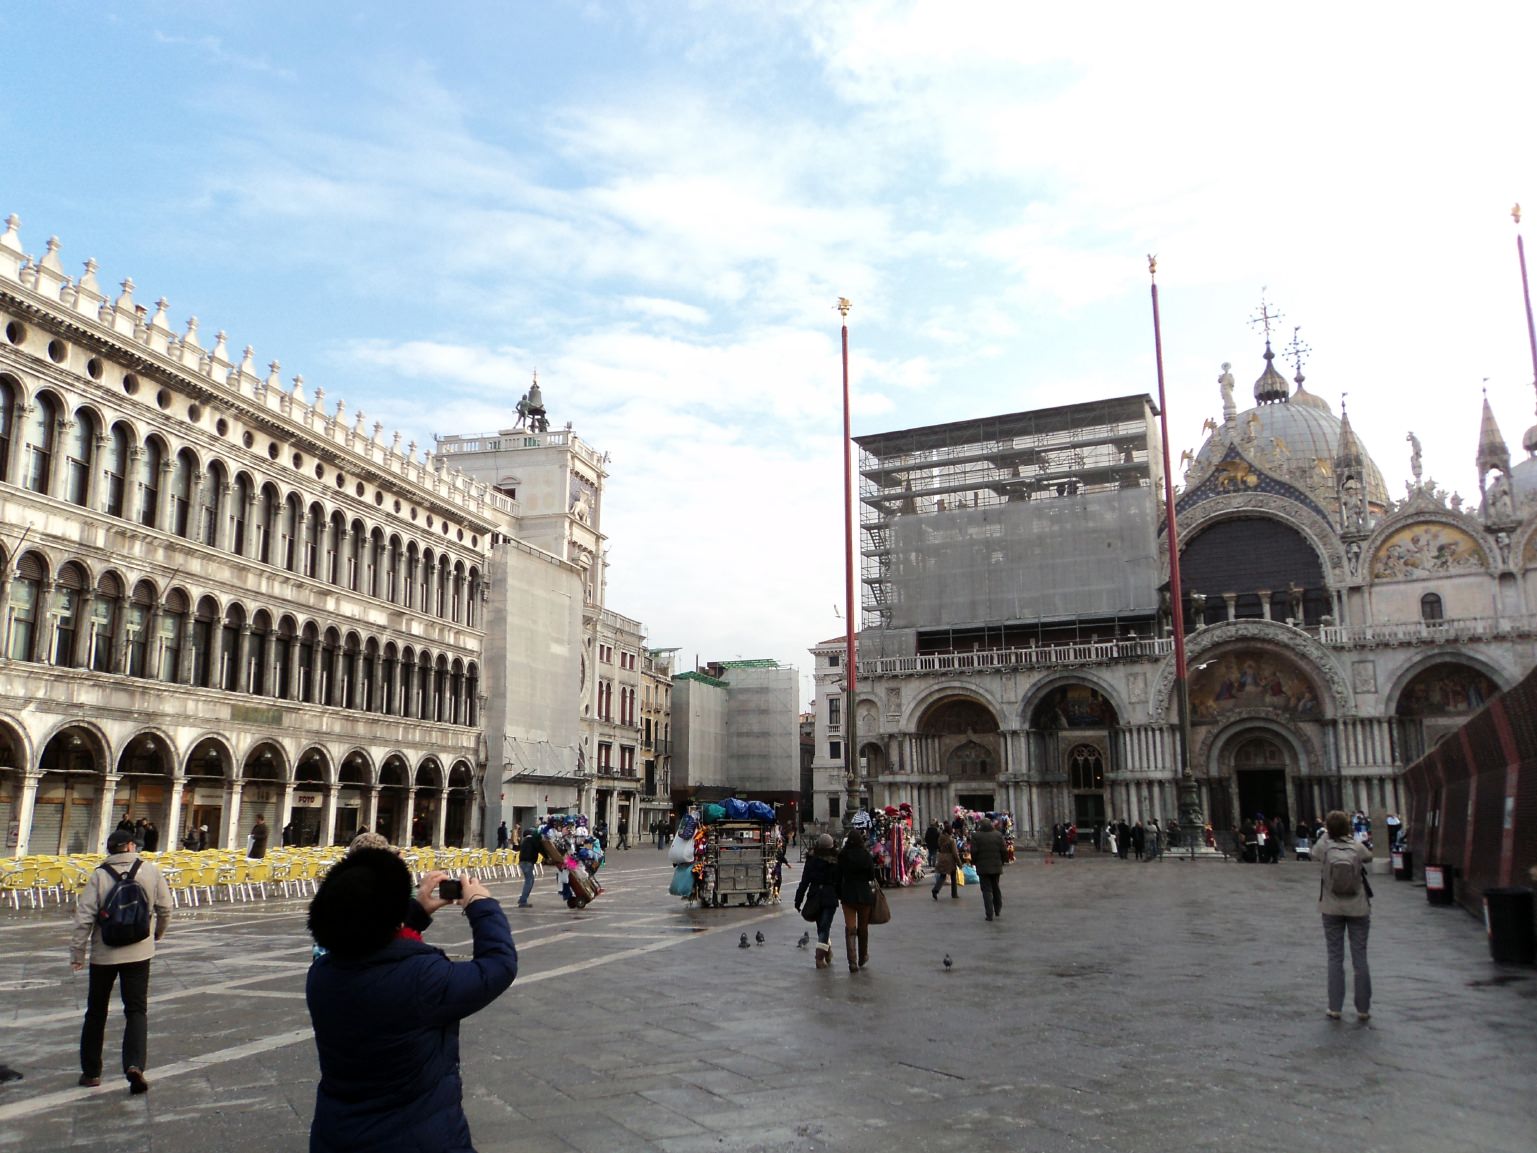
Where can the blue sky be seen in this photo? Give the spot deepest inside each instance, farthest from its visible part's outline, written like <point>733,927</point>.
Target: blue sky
<point>657,205</point>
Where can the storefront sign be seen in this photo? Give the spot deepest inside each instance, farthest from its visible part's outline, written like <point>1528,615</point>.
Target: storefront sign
<point>207,796</point>
<point>308,800</point>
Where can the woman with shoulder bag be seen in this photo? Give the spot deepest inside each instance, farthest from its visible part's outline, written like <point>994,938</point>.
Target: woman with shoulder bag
<point>817,895</point>
<point>1344,901</point>
<point>856,892</point>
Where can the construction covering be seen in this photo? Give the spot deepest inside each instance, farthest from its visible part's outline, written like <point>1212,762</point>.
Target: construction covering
<point>1041,516</point>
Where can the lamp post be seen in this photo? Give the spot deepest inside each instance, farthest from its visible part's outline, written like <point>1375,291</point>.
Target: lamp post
<point>852,783</point>
<point>1191,818</point>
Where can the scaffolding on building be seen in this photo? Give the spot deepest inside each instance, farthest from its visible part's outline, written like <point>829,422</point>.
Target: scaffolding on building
<point>1040,516</point>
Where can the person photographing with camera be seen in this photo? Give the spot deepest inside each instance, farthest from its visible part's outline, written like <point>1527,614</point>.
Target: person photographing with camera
<point>386,1006</point>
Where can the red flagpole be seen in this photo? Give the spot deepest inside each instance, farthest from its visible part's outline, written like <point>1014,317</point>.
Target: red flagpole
<point>1526,291</point>
<point>851,728</point>
<point>1190,809</point>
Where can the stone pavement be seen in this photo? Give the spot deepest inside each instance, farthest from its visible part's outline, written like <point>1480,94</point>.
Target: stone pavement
<point>1116,1006</point>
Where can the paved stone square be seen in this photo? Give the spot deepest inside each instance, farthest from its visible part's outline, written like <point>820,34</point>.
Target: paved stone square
<point>1116,1006</point>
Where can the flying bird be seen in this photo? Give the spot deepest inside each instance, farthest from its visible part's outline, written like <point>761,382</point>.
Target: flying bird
<point>760,937</point>
<point>804,941</point>
<point>948,962</point>
<point>742,944</point>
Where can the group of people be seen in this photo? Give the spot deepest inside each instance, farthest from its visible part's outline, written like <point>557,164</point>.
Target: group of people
<point>386,1006</point>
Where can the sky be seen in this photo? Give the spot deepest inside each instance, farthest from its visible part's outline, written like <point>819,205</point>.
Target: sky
<point>657,205</point>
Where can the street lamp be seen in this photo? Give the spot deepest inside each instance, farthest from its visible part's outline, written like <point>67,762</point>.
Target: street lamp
<point>850,685</point>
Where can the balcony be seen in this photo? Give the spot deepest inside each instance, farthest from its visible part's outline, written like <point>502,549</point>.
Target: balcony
<point>1457,631</point>
<point>1047,656</point>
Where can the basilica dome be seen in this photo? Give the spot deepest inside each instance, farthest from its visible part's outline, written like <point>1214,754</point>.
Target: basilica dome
<point>1293,436</point>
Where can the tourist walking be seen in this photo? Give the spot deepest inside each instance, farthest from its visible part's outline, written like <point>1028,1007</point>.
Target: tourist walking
<point>529,850</point>
<point>386,1006</point>
<point>987,857</point>
<point>131,893</point>
<point>947,862</point>
<point>1344,902</point>
<point>1122,840</point>
<point>624,832</point>
<point>856,893</point>
<point>1138,840</point>
<point>1154,840</point>
<point>501,835</point>
<point>818,891</point>
<point>931,841</point>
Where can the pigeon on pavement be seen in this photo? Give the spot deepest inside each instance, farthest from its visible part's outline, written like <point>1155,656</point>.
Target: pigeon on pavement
<point>742,944</point>
<point>761,938</point>
<point>804,941</point>
<point>948,962</point>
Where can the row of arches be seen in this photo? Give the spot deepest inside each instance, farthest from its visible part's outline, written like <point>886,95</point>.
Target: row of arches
<point>68,619</point>
<point>79,787</point>
<point>111,469</point>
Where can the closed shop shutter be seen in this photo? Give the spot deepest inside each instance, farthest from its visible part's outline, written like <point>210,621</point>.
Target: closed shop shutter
<point>47,820</point>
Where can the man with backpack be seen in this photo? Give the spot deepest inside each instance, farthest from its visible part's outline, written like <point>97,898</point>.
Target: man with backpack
<point>121,912</point>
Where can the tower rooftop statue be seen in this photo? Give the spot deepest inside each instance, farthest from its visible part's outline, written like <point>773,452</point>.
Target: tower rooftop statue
<point>531,414</point>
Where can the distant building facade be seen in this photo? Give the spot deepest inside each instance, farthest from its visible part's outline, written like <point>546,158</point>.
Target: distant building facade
<point>1016,651</point>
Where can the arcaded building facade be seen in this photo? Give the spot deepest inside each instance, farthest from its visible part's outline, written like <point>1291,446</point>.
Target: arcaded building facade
<point>223,596</point>
<point>1015,650</point>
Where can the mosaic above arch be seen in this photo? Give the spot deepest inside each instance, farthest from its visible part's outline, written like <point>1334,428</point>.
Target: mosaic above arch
<point>1426,549</point>
<point>1252,679</point>
<point>1446,690</point>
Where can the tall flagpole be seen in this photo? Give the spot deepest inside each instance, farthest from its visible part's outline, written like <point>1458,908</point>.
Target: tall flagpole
<point>1526,293</point>
<point>852,783</point>
<point>1191,818</point>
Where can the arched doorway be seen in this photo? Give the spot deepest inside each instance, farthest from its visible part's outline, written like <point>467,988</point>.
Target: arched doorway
<point>69,795</point>
<point>460,802</point>
<point>144,786</point>
<point>204,793</point>
<point>963,743</point>
<point>354,780</point>
<point>1072,730</point>
<point>429,799</point>
<point>261,794</point>
<point>307,814</point>
<point>394,780</point>
<point>1261,765</point>
<point>13,760</point>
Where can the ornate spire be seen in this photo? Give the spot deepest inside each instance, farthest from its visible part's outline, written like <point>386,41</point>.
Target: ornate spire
<point>1271,386</point>
<point>1492,453</point>
<point>1348,457</point>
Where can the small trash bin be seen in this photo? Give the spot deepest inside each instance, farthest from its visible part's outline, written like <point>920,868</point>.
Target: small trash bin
<point>1403,865</point>
<point>1508,921</point>
<point>1438,884</point>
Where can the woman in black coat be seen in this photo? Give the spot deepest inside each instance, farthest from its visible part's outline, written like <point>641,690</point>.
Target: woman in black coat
<point>819,886</point>
<point>856,892</point>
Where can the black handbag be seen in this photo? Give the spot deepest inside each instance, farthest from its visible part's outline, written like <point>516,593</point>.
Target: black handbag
<point>811,907</point>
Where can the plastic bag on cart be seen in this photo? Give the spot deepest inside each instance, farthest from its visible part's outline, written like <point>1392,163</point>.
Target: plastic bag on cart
<point>682,851</point>
<point>760,810</point>
<point>713,813</point>
<point>682,881</point>
<point>736,810</point>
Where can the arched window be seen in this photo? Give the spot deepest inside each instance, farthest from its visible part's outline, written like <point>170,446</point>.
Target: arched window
<point>182,469</point>
<point>472,695</point>
<point>367,697</point>
<point>136,628</point>
<point>293,523</point>
<point>314,539</point>
<point>356,550</point>
<point>406,704</point>
<point>26,591</point>
<point>212,504</point>
<point>37,444</point>
<point>1430,607</point>
<point>283,642</point>
<point>79,449</point>
<point>392,572</point>
<point>388,673</point>
<point>456,609</point>
<point>336,535</point>
<point>237,515</point>
<point>115,471</point>
<point>150,461</point>
<point>7,422</point>
<point>256,654</point>
<point>204,630</point>
<point>228,673</point>
<point>171,636</point>
<point>267,528</point>
<point>471,613</point>
<point>66,613</point>
<point>330,675</point>
<point>308,643</point>
<point>409,587</point>
<point>104,614</point>
<point>441,691</point>
<point>347,689</point>
<point>1086,765</point>
<point>375,562</point>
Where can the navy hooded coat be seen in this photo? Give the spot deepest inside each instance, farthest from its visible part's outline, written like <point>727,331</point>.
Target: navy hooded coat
<point>387,1031</point>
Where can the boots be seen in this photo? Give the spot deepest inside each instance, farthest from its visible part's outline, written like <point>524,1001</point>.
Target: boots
<point>824,955</point>
<point>864,947</point>
<point>851,947</point>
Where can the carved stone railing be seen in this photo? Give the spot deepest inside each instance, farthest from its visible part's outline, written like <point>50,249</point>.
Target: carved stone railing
<point>1045,656</point>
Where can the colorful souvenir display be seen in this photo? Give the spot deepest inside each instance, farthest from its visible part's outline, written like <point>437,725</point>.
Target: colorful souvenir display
<point>897,849</point>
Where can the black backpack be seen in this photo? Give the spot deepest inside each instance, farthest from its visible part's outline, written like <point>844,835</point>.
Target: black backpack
<point>124,916</point>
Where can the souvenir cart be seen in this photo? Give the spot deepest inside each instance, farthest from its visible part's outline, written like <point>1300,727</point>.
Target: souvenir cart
<point>898,852</point>
<point>734,853</point>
